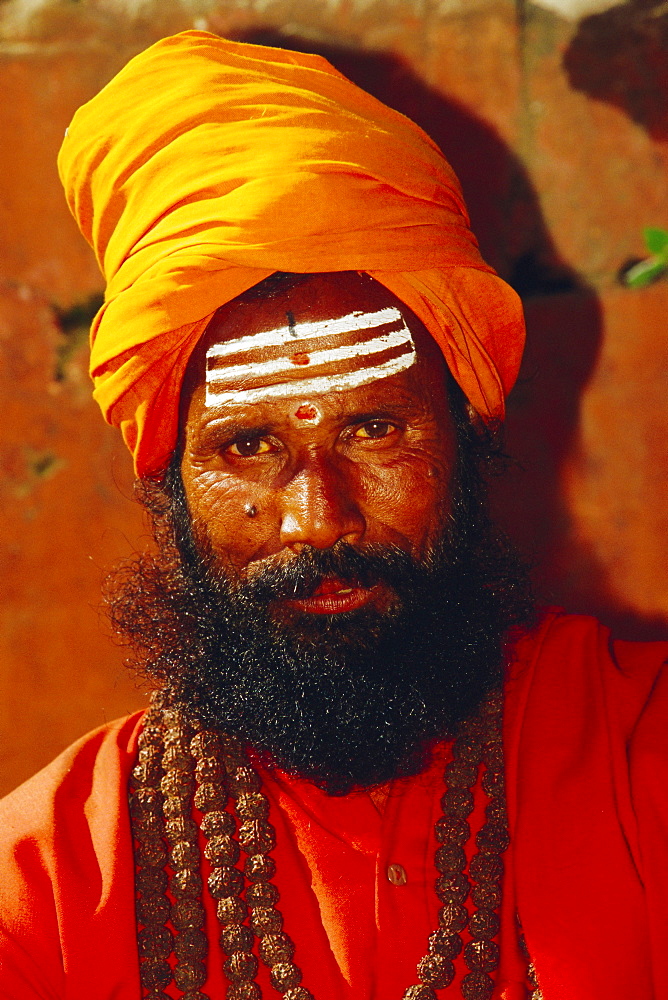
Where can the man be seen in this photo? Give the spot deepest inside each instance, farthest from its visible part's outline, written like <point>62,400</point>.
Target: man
<point>357,709</point>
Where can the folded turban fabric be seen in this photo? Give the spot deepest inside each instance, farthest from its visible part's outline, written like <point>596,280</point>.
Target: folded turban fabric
<point>206,165</point>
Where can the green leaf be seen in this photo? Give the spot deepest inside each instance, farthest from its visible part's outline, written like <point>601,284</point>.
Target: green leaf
<point>645,272</point>
<point>656,241</point>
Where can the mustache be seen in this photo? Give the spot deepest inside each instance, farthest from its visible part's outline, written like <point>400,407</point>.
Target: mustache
<point>301,576</point>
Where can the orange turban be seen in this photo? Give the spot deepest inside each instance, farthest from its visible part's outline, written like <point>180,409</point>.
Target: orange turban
<point>206,165</point>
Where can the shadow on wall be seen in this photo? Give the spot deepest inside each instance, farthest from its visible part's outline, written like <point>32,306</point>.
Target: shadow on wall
<point>563,320</point>
<point>621,57</point>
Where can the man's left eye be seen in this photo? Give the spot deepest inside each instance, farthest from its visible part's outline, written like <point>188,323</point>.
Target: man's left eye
<point>249,447</point>
<point>375,429</point>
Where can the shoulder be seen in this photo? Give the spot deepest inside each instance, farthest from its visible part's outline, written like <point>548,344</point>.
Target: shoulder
<point>67,868</point>
<point>572,663</point>
<point>92,764</point>
<point>68,810</point>
<point>582,639</point>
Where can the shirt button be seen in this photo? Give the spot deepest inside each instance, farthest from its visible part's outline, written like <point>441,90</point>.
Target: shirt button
<point>396,875</point>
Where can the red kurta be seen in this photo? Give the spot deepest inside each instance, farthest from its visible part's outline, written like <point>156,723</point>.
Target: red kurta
<point>587,765</point>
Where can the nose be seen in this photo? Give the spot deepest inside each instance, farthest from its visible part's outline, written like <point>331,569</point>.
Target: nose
<point>319,508</point>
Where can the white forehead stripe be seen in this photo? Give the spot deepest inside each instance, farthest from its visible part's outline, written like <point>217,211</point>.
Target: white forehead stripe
<point>262,377</point>
<point>325,328</point>
<point>313,386</point>
<point>261,369</point>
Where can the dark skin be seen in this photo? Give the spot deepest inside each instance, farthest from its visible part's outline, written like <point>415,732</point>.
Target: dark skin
<point>374,466</point>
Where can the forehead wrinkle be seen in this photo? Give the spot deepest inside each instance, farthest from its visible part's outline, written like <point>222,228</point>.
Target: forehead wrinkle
<point>392,399</point>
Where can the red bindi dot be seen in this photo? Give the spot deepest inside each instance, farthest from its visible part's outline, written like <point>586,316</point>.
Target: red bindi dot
<point>300,358</point>
<point>306,412</point>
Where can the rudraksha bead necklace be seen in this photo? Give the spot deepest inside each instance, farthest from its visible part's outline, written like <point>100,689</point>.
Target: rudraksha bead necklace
<point>181,762</point>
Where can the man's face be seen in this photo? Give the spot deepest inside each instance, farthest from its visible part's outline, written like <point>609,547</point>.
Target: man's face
<point>327,585</point>
<point>292,439</point>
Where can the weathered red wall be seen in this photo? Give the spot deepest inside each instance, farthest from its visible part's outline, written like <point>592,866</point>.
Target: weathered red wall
<point>559,132</point>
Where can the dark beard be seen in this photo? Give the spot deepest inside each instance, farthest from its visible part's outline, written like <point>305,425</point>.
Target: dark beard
<point>346,700</point>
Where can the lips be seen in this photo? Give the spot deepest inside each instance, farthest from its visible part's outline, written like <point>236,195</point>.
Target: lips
<point>333,596</point>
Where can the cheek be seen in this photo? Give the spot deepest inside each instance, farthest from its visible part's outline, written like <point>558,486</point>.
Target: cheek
<point>411,496</point>
<point>219,508</point>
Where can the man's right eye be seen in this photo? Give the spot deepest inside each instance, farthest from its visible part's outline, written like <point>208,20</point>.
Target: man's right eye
<point>249,447</point>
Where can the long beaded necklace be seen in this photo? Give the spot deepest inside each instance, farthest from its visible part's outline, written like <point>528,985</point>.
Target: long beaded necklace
<point>181,763</point>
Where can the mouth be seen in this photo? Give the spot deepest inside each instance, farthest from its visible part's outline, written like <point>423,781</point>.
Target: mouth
<point>333,596</point>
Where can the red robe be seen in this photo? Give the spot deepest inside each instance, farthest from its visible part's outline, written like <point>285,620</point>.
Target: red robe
<point>587,872</point>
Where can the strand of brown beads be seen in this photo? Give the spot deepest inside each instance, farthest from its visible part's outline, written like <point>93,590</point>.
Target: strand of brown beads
<point>256,839</point>
<point>177,785</point>
<point>479,742</point>
<point>225,882</point>
<point>154,937</point>
<point>179,761</point>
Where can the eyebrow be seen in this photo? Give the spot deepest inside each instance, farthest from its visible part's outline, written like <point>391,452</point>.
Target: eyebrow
<point>383,412</point>
<point>233,427</point>
<point>229,428</point>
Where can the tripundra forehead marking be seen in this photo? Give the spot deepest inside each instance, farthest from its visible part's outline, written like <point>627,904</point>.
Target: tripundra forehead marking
<point>361,347</point>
